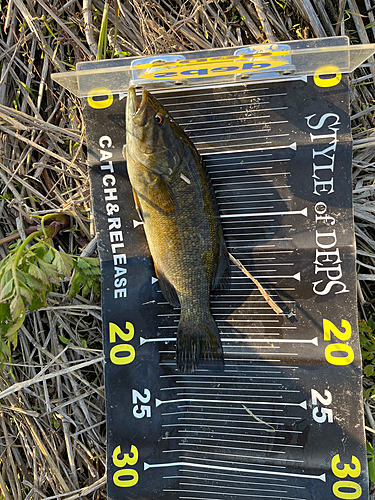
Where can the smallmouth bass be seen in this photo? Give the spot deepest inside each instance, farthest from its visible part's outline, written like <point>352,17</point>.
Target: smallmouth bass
<point>175,199</point>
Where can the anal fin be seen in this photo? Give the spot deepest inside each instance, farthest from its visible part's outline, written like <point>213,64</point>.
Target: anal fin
<point>221,279</point>
<point>167,289</point>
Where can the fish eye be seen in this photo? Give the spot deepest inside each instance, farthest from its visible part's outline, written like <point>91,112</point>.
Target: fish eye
<point>159,119</point>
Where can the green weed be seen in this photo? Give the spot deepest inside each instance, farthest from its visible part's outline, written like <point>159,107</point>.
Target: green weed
<point>28,274</point>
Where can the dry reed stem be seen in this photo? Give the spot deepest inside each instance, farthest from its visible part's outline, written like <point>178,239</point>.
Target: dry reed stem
<point>264,293</point>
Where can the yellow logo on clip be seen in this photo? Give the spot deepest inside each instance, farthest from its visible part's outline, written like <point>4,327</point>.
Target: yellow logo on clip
<point>214,66</point>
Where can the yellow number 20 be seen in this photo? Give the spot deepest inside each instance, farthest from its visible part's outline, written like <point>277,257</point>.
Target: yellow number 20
<point>122,353</point>
<point>338,354</point>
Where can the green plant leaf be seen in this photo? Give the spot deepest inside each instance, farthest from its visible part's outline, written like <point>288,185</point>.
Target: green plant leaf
<point>26,293</point>
<point>4,312</point>
<point>58,263</point>
<point>64,340</point>
<point>37,273</point>
<point>102,42</point>
<point>68,263</point>
<point>27,275</point>
<point>17,308</point>
<point>369,370</point>
<point>6,276</point>
<point>50,271</point>
<point>56,423</point>
<point>6,265</point>
<point>11,332</point>
<point>74,289</point>
<point>63,264</point>
<point>371,470</point>
<point>30,281</point>
<point>368,392</point>
<point>5,348</point>
<point>86,277</point>
<point>49,256</point>
<point>38,302</point>
<point>6,292</point>
<point>83,263</point>
<point>39,249</point>
<point>121,53</point>
<point>363,327</point>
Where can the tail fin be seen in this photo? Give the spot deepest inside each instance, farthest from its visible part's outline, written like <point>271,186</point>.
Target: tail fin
<point>198,345</point>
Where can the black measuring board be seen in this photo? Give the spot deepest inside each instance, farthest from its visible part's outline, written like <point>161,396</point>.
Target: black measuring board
<point>282,421</point>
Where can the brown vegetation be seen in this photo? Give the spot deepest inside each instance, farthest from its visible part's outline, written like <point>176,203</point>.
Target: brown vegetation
<point>52,436</point>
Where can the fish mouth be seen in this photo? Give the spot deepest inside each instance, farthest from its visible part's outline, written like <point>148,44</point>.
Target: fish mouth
<point>138,111</point>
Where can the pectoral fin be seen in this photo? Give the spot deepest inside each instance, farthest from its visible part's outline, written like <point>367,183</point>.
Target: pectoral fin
<point>161,195</point>
<point>138,205</point>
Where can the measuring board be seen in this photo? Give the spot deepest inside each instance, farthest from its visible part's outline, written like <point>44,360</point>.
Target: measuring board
<point>284,419</point>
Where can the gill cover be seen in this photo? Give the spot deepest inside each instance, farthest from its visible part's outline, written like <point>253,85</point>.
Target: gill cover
<point>152,136</point>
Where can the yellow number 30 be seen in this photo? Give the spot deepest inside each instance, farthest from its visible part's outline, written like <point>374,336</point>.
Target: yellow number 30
<point>340,488</point>
<point>347,470</point>
<point>125,478</point>
<point>127,460</point>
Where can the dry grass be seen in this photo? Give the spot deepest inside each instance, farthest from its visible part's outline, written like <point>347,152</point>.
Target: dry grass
<point>52,437</point>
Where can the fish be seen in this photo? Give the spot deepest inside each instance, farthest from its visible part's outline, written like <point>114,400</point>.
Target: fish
<point>174,197</point>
